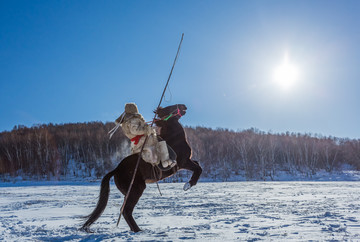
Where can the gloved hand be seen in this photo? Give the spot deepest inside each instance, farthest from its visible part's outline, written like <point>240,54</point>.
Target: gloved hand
<point>149,130</point>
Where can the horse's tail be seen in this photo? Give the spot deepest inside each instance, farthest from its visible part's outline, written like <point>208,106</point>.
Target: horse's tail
<point>101,204</point>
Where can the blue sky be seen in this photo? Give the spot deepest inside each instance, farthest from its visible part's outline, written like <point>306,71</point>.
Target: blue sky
<point>81,61</point>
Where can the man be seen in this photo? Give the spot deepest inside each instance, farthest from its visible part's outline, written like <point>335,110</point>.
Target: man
<point>136,129</point>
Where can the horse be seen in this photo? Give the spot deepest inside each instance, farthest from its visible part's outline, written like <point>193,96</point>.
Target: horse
<point>174,135</point>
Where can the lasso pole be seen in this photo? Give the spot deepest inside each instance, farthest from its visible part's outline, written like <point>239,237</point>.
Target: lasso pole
<point>152,123</point>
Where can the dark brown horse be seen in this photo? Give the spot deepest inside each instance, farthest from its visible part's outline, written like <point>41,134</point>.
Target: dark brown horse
<point>174,135</point>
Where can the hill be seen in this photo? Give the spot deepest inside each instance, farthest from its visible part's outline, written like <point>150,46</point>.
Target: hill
<point>84,151</point>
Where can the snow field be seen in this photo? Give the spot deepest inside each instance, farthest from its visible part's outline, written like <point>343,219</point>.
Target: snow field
<point>246,211</point>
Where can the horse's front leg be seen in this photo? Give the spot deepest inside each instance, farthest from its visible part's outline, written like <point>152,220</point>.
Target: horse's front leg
<point>193,166</point>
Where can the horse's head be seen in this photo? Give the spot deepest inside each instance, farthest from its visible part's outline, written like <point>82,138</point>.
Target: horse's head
<point>170,112</point>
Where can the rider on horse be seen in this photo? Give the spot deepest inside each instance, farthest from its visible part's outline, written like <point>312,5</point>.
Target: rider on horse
<point>136,129</point>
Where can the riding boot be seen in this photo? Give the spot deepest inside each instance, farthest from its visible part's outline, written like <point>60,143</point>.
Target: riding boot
<point>163,152</point>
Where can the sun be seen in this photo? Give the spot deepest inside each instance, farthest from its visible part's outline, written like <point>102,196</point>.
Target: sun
<point>286,74</point>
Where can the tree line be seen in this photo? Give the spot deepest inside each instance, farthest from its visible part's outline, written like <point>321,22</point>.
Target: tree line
<point>84,150</point>
<point>260,155</point>
<point>56,150</point>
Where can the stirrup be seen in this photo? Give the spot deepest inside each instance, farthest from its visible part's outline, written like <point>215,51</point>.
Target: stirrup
<point>160,166</point>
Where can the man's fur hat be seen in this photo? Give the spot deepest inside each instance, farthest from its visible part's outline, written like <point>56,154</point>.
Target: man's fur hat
<point>131,108</point>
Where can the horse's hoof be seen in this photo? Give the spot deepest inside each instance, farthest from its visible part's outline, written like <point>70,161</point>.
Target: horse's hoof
<point>87,230</point>
<point>187,186</point>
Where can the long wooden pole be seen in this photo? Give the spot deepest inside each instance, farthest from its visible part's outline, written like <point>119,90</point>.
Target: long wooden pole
<point>152,123</point>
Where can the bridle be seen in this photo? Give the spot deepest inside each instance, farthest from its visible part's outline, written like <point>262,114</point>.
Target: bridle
<point>174,113</point>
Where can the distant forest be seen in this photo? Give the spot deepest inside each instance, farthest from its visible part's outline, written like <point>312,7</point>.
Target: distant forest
<point>84,150</point>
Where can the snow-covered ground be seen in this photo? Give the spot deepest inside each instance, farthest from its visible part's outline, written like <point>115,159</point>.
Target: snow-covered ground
<point>278,211</point>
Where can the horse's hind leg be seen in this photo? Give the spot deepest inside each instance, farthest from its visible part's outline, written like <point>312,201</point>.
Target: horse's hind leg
<point>193,166</point>
<point>134,196</point>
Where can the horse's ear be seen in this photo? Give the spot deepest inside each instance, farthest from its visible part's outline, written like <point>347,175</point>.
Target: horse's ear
<point>156,110</point>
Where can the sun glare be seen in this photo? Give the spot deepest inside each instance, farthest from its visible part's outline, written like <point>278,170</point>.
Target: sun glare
<point>286,74</point>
